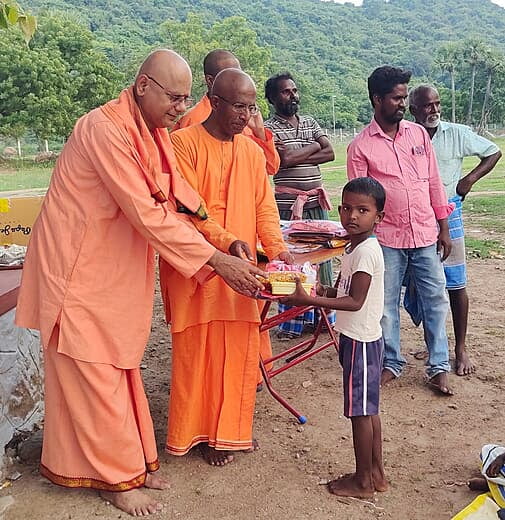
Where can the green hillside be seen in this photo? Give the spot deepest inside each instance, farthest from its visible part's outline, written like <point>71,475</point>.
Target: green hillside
<point>330,48</point>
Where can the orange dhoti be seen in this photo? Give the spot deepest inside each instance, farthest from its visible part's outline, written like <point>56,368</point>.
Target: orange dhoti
<point>215,331</point>
<point>98,432</point>
<point>216,404</point>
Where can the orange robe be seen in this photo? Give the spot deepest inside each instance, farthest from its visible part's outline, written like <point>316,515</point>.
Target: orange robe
<point>201,111</point>
<point>88,284</point>
<point>198,114</point>
<point>215,333</point>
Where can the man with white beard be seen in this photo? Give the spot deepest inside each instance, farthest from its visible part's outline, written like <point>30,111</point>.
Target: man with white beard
<point>452,143</point>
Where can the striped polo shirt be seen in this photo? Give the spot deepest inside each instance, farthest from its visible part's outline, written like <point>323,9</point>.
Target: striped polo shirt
<point>303,177</point>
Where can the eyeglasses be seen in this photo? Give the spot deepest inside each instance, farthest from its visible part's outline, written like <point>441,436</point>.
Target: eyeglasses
<point>241,108</point>
<point>174,99</point>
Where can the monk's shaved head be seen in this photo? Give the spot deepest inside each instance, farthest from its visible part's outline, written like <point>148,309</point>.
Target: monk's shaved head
<point>230,82</point>
<point>162,86</point>
<point>233,101</point>
<point>218,60</point>
<point>165,63</point>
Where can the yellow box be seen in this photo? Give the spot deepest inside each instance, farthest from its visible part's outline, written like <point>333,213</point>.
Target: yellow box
<point>18,212</point>
<point>283,288</point>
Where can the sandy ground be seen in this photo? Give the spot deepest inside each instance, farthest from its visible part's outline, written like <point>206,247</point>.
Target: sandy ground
<point>431,443</point>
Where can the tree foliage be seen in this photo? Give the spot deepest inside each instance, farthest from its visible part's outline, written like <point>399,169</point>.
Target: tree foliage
<point>193,40</point>
<point>12,14</point>
<point>46,87</point>
<point>329,48</point>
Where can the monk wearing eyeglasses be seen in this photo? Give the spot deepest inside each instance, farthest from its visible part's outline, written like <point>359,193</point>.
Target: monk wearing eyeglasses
<point>216,61</point>
<point>215,332</point>
<point>88,282</point>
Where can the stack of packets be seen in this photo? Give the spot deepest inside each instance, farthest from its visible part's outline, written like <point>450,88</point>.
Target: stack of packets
<point>12,256</point>
<point>304,236</point>
<point>282,278</point>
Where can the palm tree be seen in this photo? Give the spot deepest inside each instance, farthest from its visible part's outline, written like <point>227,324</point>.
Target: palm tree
<point>448,58</point>
<point>473,54</point>
<point>493,62</point>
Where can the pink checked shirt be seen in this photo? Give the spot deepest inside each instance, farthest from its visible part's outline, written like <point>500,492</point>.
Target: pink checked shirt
<point>407,168</point>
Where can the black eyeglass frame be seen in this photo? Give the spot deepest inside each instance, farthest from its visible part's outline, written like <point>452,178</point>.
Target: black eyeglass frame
<point>240,108</point>
<point>174,98</point>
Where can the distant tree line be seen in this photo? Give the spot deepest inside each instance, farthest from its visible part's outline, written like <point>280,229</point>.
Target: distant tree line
<point>70,66</point>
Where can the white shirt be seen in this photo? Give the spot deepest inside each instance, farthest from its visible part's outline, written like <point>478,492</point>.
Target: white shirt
<point>363,325</point>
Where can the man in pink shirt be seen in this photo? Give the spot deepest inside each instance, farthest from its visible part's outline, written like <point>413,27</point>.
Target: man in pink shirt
<point>414,234</point>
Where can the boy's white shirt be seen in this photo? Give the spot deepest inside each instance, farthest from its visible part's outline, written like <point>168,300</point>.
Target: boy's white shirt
<point>363,325</point>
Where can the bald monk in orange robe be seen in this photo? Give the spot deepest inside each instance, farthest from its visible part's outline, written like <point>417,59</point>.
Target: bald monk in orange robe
<point>215,62</point>
<point>88,282</point>
<point>215,332</point>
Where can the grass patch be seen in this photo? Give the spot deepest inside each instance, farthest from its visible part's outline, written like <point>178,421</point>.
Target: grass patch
<point>497,225</point>
<point>493,181</point>
<point>24,174</point>
<point>489,205</point>
<point>477,248</point>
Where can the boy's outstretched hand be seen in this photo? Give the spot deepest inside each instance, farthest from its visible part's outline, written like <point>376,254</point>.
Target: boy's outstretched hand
<point>299,298</point>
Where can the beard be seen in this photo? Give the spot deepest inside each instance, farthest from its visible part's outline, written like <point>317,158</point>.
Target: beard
<point>431,121</point>
<point>395,118</point>
<point>288,109</point>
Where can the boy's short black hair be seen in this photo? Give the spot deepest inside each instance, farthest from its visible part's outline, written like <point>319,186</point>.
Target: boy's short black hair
<point>367,186</point>
<point>271,85</point>
<point>384,79</point>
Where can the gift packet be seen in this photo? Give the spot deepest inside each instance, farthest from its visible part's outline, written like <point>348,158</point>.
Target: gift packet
<point>282,277</point>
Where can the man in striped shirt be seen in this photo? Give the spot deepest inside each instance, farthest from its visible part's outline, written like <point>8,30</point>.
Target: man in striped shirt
<point>302,147</point>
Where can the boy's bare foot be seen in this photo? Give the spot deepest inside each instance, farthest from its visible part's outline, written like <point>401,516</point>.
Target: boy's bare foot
<point>440,384</point>
<point>255,447</point>
<point>215,457</point>
<point>478,484</point>
<point>155,482</point>
<point>387,376</point>
<point>134,502</point>
<point>380,482</point>
<point>348,486</point>
<point>464,365</point>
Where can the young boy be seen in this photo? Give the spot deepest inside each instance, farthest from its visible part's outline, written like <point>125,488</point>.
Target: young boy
<point>492,459</point>
<point>359,298</point>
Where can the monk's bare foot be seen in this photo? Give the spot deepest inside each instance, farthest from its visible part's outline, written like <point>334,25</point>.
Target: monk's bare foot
<point>255,447</point>
<point>133,502</point>
<point>215,457</point>
<point>440,384</point>
<point>155,482</point>
<point>478,484</point>
<point>387,376</point>
<point>464,365</point>
<point>348,486</point>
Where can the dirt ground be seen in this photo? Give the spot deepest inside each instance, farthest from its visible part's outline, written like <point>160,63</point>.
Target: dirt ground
<point>431,443</point>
